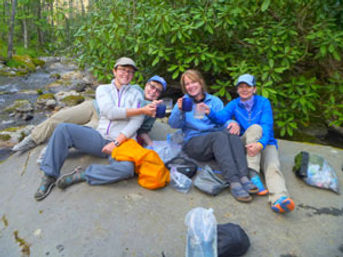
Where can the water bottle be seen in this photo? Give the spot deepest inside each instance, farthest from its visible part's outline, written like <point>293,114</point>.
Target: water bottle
<point>180,181</point>
<point>202,233</point>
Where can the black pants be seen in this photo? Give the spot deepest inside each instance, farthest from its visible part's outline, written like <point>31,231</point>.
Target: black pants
<point>225,148</point>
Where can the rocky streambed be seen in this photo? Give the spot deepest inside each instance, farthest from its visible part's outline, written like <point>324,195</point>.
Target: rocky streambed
<point>27,100</point>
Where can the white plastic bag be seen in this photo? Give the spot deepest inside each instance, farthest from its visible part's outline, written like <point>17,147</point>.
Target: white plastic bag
<point>201,233</point>
<point>166,150</point>
<point>180,181</point>
<point>316,171</point>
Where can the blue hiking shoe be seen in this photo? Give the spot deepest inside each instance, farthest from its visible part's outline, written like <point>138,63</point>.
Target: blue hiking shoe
<point>76,176</point>
<point>45,187</point>
<point>256,180</point>
<point>283,204</point>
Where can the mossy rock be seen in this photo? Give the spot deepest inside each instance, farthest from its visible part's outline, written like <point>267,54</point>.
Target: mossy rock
<point>17,104</point>
<point>24,62</point>
<point>73,100</point>
<point>12,73</point>
<point>38,62</point>
<point>11,129</point>
<point>46,96</point>
<point>59,83</point>
<point>55,76</point>
<point>5,137</point>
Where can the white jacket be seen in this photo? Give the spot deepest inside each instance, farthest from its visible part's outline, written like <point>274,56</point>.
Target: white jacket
<point>112,106</point>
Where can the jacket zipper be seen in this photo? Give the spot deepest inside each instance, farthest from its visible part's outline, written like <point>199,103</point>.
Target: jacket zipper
<point>119,98</point>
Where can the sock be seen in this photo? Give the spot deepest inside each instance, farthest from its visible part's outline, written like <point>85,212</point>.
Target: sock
<point>235,185</point>
<point>244,179</point>
<point>252,172</point>
<point>79,176</point>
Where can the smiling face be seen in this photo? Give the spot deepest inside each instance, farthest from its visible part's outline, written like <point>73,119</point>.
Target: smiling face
<point>193,88</point>
<point>152,90</point>
<point>245,91</point>
<point>123,75</point>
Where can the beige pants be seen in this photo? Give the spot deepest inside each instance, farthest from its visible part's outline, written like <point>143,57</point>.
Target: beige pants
<point>82,114</point>
<point>268,160</point>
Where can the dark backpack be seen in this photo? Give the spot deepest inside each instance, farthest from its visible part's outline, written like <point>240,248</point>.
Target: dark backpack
<point>232,241</point>
<point>183,165</point>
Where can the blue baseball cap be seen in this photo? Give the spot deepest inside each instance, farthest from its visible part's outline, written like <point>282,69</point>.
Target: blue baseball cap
<point>159,80</point>
<point>247,79</point>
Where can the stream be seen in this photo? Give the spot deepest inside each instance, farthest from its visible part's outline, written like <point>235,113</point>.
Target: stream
<point>25,87</point>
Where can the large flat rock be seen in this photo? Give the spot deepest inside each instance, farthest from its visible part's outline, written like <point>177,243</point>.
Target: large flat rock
<point>124,219</point>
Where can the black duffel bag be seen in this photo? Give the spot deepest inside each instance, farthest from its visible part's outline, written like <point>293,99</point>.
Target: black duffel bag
<point>183,165</point>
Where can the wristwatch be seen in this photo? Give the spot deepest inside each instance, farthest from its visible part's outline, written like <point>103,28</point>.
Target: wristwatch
<point>116,143</point>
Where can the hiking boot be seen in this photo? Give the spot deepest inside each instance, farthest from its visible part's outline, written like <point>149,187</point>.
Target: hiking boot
<point>41,155</point>
<point>256,180</point>
<point>76,176</point>
<point>283,204</point>
<point>45,187</point>
<point>26,144</point>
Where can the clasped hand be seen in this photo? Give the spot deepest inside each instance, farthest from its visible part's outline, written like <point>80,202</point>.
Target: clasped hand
<point>150,109</point>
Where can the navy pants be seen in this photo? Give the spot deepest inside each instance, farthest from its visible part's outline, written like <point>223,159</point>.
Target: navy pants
<point>89,141</point>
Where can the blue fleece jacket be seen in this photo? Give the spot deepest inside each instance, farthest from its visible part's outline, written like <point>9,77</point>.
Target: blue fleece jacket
<point>261,114</point>
<point>195,127</point>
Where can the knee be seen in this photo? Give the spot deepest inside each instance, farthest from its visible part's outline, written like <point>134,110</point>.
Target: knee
<point>221,136</point>
<point>254,130</point>
<point>61,128</point>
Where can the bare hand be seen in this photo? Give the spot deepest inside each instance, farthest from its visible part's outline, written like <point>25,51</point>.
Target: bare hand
<point>205,107</point>
<point>253,149</point>
<point>150,109</point>
<point>234,128</point>
<point>107,149</point>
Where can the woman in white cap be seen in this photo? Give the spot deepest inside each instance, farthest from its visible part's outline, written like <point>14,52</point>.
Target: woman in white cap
<point>87,114</point>
<point>115,101</point>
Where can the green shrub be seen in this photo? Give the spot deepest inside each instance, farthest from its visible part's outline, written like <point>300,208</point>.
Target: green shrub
<point>294,48</point>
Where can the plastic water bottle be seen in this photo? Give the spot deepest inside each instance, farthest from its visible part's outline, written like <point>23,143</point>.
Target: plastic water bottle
<point>202,233</point>
<point>180,181</point>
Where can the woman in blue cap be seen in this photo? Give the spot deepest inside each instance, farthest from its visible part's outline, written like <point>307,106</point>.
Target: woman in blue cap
<point>254,123</point>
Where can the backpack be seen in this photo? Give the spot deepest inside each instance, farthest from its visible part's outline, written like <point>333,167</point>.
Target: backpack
<point>183,165</point>
<point>232,241</point>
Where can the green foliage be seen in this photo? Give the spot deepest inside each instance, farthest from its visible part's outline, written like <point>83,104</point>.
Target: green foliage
<point>294,48</point>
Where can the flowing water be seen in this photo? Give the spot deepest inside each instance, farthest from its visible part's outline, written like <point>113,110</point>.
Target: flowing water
<point>25,87</point>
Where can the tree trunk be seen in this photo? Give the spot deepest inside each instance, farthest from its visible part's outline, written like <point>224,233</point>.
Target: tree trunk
<point>39,31</point>
<point>11,31</point>
<point>82,8</point>
<point>4,18</point>
<point>70,9</point>
<point>24,32</point>
<point>90,5</point>
<point>51,5</point>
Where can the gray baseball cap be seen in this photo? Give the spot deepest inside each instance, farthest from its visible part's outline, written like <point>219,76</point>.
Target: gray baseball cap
<point>248,79</point>
<point>125,61</point>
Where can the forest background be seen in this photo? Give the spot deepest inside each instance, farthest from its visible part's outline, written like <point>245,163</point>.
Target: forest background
<point>293,47</point>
